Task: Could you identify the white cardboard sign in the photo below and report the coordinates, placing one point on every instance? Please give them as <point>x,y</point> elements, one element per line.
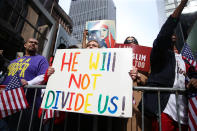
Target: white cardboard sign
<point>92,81</point>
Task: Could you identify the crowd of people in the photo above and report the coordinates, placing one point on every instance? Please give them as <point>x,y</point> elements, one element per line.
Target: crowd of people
<point>168,69</point>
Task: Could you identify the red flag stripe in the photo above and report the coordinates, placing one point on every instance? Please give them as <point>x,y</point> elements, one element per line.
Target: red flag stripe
<point>3,114</point>
<point>48,114</point>
<point>6,103</point>
<point>21,105</point>
<point>190,127</point>
<point>10,108</point>
<point>192,113</point>
<point>192,123</point>
<point>193,106</point>
<point>16,100</point>
<point>24,97</point>
<point>21,96</point>
<point>10,101</point>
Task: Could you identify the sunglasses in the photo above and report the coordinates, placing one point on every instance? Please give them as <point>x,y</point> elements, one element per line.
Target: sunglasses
<point>131,41</point>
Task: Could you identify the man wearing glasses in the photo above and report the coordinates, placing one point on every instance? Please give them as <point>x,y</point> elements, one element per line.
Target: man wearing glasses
<point>31,69</point>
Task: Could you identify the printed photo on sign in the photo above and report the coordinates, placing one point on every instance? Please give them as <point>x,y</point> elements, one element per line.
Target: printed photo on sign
<point>102,31</point>
<point>93,81</point>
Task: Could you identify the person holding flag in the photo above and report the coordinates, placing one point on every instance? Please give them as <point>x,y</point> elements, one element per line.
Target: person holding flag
<point>31,69</point>
<point>167,70</point>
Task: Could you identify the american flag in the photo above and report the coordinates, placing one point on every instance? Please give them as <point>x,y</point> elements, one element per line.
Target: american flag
<point>187,52</point>
<point>192,96</point>
<point>187,55</point>
<point>48,113</point>
<point>12,99</point>
<point>192,111</point>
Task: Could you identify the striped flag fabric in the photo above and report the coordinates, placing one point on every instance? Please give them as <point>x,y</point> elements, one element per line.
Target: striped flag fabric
<point>188,56</point>
<point>192,104</point>
<point>48,113</point>
<point>191,62</point>
<point>12,99</point>
<point>192,95</point>
<point>187,52</point>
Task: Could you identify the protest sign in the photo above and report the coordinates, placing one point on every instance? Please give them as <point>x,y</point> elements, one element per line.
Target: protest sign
<point>102,31</point>
<point>95,81</point>
<point>141,58</point>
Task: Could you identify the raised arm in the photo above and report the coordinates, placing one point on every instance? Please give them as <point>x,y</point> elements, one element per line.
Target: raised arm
<point>84,38</point>
<point>179,9</point>
<point>163,41</point>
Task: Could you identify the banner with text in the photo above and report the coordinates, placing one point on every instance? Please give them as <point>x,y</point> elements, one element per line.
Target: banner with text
<point>92,81</point>
<point>141,55</point>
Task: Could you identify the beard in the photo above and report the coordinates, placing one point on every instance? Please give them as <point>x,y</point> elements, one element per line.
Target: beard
<point>31,51</point>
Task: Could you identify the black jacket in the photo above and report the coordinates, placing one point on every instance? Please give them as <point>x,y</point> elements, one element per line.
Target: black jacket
<point>162,60</point>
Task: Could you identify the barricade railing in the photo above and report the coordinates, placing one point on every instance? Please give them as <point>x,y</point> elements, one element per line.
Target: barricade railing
<point>157,90</point>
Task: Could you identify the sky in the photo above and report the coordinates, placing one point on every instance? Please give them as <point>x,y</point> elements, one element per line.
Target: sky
<point>138,18</point>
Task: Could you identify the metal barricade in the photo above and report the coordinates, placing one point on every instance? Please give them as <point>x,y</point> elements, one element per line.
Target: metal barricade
<point>157,90</point>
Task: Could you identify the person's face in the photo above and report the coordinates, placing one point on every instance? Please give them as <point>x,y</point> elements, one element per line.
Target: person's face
<point>173,38</point>
<point>104,33</point>
<point>131,40</point>
<point>31,45</point>
<point>175,50</point>
<point>92,45</point>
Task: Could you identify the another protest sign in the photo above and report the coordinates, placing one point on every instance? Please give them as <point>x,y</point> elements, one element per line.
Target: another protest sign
<point>141,56</point>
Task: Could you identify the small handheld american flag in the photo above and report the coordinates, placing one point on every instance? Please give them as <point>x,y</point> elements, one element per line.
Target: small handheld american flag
<point>192,103</point>
<point>12,99</point>
<point>192,95</point>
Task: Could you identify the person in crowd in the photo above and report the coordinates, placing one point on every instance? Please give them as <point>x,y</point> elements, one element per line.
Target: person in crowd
<point>59,122</point>
<point>131,40</point>
<point>139,79</point>
<point>167,70</point>
<point>31,69</point>
<point>3,66</point>
<point>92,44</point>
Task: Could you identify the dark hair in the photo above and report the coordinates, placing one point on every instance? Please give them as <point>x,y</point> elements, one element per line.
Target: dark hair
<point>127,42</point>
<point>73,47</point>
<point>94,41</point>
<point>61,46</point>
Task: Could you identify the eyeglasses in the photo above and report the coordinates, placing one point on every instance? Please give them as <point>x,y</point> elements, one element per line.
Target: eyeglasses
<point>35,42</point>
<point>131,41</point>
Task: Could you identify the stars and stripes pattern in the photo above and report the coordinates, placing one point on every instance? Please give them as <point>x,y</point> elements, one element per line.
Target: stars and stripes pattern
<point>187,52</point>
<point>49,113</point>
<point>188,56</point>
<point>192,95</point>
<point>191,62</point>
<point>12,99</point>
<point>192,111</point>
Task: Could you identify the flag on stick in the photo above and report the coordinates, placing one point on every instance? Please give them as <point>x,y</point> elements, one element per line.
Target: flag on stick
<point>188,56</point>
<point>192,111</point>
<point>12,99</point>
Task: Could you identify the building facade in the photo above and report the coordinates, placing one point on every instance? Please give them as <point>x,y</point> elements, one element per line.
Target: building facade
<point>89,10</point>
<point>187,20</point>
<point>30,18</point>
